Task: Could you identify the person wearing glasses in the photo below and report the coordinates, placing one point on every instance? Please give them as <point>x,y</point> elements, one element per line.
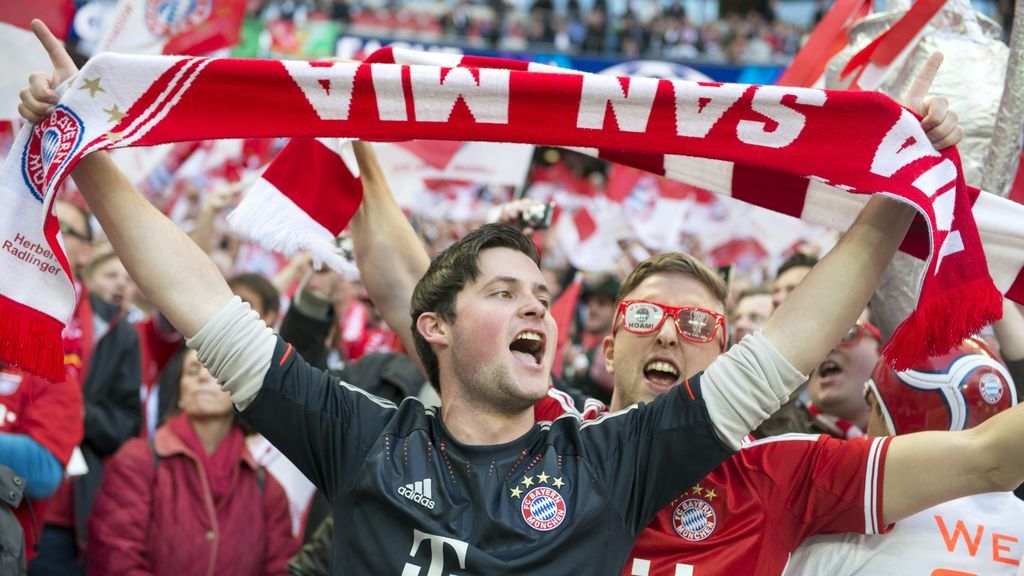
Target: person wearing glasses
<point>836,388</point>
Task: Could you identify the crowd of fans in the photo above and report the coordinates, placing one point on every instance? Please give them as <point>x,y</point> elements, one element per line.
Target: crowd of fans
<point>170,415</point>
<point>653,30</point>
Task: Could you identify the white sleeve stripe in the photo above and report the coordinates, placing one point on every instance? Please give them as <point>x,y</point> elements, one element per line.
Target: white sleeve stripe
<point>608,415</point>
<point>375,399</point>
<point>789,437</point>
<point>564,400</point>
<point>873,487</point>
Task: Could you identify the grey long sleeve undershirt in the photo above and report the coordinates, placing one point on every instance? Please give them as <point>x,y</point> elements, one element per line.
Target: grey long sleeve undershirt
<point>741,388</point>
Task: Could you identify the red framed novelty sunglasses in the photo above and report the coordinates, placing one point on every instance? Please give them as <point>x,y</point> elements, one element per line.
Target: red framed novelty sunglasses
<point>857,332</point>
<point>693,323</point>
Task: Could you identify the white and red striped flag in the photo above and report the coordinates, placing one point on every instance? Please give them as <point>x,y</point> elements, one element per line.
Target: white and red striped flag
<point>303,200</point>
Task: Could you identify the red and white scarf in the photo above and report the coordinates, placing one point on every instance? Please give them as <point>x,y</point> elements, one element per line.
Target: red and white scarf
<point>808,153</point>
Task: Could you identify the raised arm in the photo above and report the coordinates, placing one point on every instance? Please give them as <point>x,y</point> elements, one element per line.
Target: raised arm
<point>175,274</point>
<point>928,468</point>
<point>390,256</point>
<point>824,306</point>
<point>1010,333</point>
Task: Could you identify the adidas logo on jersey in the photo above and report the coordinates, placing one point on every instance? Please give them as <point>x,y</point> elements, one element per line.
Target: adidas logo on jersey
<point>418,492</point>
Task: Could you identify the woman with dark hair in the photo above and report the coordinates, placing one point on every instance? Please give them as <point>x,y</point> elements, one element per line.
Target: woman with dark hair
<point>192,500</point>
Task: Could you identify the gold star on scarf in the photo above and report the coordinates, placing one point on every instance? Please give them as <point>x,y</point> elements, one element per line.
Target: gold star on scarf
<point>516,492</point>
<point>558,482</point>
<point>697,489</point>
<point>543,478</point>
<point>93,86</point>
<point>710,494</point>
<point>528,481</point>
<point>115,114</point>
<point>115,136</point>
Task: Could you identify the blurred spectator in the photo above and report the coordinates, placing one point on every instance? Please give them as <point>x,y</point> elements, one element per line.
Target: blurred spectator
<point>260,294</point>
<point>40,426</point>
<point>836,388</point>
<point>106,277</point>
<point>593,41</point>
<point>76,229</point>
<point>753,308</point>
<point>675,10</point>
<point>586,369</point>
<point>790,274</point>
<point>193,500</point>
<point>632,37</point>
<point>101,349</point>
<point>363,331</point>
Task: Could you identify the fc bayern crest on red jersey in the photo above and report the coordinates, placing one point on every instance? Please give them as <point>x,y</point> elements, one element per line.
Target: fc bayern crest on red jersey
<point>694,519</point>
<point>172,17</point>
<point>52,144</point>
<point>543,508</point>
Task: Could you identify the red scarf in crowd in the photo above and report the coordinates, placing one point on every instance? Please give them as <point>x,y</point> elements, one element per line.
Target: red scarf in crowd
<point>809,153</point>
<point>221,468</point>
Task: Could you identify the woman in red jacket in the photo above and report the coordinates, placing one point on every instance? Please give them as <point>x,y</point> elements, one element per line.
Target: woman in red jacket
<point>193,501</point>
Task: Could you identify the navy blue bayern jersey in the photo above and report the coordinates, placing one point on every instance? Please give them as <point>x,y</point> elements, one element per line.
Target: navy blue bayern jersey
<point>568,497</point>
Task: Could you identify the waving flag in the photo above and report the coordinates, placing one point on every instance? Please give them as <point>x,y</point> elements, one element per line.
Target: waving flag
<point>188,27</point>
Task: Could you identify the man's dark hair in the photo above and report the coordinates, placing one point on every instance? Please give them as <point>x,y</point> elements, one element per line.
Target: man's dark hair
<point>270,298</point>
<point>797,260</point>
<point>449,273</point>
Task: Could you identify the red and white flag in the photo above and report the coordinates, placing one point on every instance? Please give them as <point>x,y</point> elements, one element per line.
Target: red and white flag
<point>562,312</point>
<point>828,38</point>
<point>186,27</point>
<point>868,68</point>
<point>303,200</point>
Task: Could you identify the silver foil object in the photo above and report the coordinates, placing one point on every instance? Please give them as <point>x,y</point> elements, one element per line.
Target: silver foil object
<point>971,77</point>
<point>1004,151</point>
<point>972,74</point>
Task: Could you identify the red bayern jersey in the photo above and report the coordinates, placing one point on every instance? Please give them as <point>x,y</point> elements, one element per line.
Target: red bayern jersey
<point>748,515</point>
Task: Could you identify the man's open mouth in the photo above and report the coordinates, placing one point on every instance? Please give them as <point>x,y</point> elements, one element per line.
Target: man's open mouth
<point>528,347</point>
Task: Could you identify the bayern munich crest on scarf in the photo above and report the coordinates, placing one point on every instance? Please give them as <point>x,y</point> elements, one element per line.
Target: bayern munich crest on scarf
<point>543,508</point>
<point>694,519</point>
<point>45,156</point>
<point>171,17</point>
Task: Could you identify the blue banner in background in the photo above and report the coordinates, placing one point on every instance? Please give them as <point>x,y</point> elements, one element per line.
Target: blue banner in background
<point>350,46</point>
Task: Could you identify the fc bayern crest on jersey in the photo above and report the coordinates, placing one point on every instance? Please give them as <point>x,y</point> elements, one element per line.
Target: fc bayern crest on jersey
<point>543,508</point>
<point>694,519</point>
<point>52,144</point>
<point>172,17</point>
<point>991,388</point>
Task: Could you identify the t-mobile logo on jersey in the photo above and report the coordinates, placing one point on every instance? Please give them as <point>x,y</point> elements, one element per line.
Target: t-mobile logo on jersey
<point>418,492</point>
<point>437,544</point>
